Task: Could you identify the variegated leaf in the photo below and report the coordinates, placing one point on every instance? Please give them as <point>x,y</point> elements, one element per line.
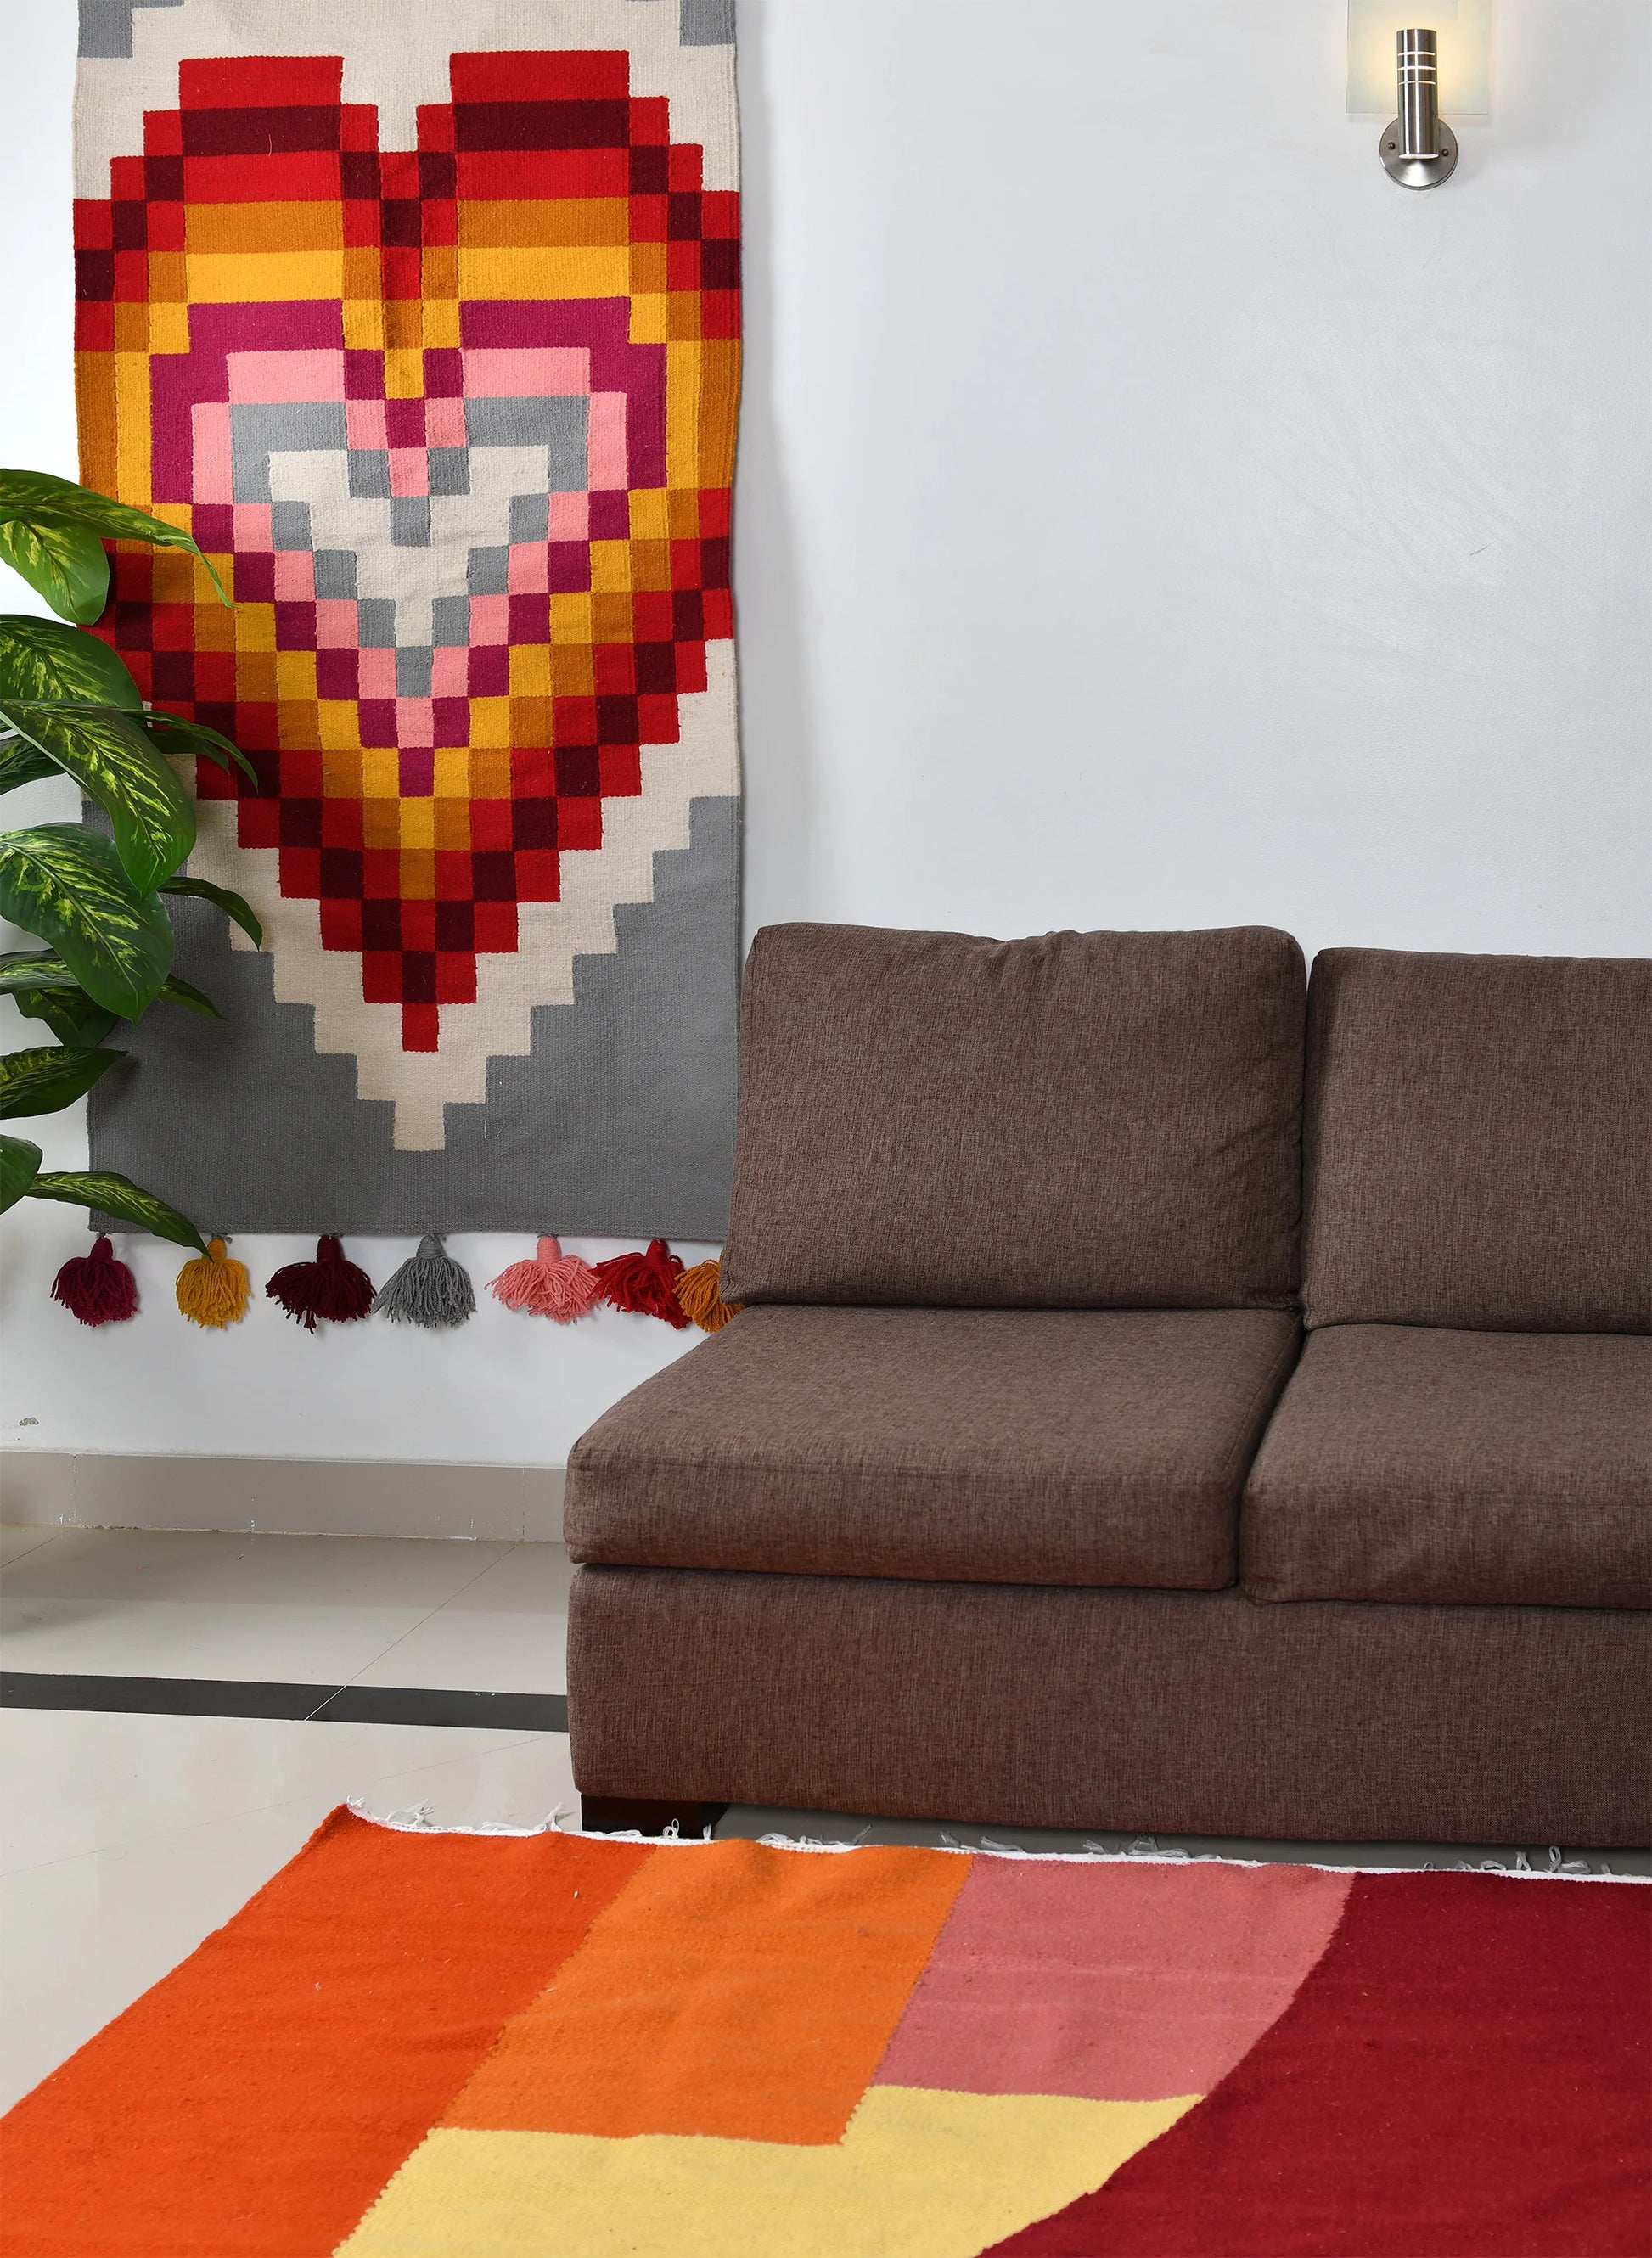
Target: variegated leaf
<point>232,905</point>
<point>41,498</point>
<point>65,564</point>
<point>21,762</point>
<point>153,815</point>
<point>45,1081</point>
<point>69,1013</point>
<point>192,998</point>
<point>172,735</point>
<point>19,1165</point>
<point>66,884</point>
<point>34,968</point>
<point>125,1201</point>
<point>46,664</point>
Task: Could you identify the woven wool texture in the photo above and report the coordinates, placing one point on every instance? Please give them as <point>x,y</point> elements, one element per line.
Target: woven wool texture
<point>450,2046</point>
<point>423,319</point>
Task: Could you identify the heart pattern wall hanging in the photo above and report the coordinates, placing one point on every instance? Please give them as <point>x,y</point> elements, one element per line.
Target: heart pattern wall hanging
<point>423,319</point>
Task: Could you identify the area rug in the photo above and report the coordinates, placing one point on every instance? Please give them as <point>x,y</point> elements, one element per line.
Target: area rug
<point>423,316</point>
<point>473,2046</point>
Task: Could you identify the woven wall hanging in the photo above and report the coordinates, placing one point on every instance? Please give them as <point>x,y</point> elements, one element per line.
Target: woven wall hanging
<point>423,316</point>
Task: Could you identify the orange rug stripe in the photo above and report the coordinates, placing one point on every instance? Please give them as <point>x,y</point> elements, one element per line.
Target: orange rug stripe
<point>733,1991</point>
<point>254,2103</point>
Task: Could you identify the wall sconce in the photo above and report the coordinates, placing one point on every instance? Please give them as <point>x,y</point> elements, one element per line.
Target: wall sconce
<point>1446,66</point>
<point>1419,149</point>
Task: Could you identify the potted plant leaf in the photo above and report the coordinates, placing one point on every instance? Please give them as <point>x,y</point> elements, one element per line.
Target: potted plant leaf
<point>96,898</point>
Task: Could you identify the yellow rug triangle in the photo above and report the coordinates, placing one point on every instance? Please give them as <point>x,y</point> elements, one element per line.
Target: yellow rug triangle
<point>917,2174</point>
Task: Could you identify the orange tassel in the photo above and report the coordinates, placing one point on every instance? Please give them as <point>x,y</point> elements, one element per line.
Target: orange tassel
<point>699,1294</point>
<point>214,1289</point>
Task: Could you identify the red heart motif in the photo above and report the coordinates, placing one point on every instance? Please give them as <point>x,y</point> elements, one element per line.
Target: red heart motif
<point>459,419</point>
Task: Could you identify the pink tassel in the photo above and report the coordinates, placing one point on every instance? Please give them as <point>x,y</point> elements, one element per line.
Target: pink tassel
<point>96,1288</point>
<point>551,1285</point>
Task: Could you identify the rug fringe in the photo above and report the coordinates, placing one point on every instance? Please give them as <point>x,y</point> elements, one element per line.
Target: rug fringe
<point>417,1820</point>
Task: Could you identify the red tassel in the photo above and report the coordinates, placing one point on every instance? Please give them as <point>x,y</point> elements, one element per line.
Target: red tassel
<point>95,1288</point>
<point>330,1287</point>
<point>646,1283</point>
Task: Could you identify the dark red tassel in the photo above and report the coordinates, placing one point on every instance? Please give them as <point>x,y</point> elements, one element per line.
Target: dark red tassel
<point>330,1287</point>
<point>644,1282</point>
<point>96,1288</point>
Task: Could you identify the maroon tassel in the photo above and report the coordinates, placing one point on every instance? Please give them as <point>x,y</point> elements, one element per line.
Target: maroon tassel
<point>330,1287</point>
<point>96,1288</point>
<point>646,1283</point>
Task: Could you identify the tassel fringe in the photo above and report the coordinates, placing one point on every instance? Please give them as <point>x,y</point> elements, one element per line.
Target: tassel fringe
<point>330,1287</point>
<point>429,1290</point>
<point>552,1284</point>
<point>646,1283</point>
<point>97,1287</point>
<point>214,1289</point>
<point>699,1294</point>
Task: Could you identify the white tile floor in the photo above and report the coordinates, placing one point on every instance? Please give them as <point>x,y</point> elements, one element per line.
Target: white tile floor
<point>127,1838</point>
<point>333,1610</point>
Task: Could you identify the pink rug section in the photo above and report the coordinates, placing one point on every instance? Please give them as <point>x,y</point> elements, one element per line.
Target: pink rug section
<point>1118,1983</point>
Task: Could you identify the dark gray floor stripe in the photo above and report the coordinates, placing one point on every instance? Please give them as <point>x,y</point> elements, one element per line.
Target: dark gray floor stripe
<point>431,1705</point>
<point>167,1697</point>
<point>338,1705</point>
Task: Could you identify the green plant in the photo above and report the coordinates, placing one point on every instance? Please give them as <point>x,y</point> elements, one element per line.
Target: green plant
<point>96,901</point>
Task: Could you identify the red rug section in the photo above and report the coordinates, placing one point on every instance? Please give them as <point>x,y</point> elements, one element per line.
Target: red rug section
<point>258,2099</point>
<point>1467,2074</point>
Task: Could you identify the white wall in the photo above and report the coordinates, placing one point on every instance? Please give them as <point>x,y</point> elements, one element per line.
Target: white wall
<point>1148,516</point>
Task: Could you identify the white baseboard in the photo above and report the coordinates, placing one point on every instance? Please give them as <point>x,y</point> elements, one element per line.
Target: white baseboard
<point>286,1497</point>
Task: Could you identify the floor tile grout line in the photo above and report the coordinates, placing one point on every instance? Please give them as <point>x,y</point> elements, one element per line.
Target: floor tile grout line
<point>514,1546</point>
<point>30,1553</point>
<point>44,1532</point>
<point>508,1546</point>
<point>257,1810</point>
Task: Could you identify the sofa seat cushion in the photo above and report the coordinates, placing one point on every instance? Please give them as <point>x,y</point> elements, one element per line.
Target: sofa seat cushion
<point>1406,1463</point>
<point>1036,1446</point>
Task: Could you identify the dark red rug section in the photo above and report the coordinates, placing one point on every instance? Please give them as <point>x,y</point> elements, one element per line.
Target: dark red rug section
<point>1467,2073</point>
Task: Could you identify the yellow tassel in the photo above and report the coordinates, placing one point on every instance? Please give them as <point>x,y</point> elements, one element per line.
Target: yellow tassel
<point>214,1289</point>
<point>699,1294</point>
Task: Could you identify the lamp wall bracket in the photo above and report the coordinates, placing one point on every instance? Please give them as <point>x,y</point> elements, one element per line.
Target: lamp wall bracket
<point>1419,150</point>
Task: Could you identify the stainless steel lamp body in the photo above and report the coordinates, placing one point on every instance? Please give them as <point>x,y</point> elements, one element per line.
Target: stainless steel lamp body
<point>1418,149</point>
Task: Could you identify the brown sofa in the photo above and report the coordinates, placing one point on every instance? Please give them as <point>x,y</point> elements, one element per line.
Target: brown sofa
<point>1172,1397</point>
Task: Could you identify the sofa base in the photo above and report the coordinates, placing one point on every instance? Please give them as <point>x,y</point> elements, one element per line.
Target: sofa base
<point>639,1814</point>
<point>1184,1712</point>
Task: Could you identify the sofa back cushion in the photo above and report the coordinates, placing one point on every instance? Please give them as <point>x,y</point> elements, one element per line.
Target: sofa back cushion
<point>1478,1130</point>
<point>1090,1120</point>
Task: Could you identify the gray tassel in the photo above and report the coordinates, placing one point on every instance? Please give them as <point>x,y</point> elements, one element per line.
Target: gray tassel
<point>429,1290</point>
